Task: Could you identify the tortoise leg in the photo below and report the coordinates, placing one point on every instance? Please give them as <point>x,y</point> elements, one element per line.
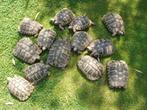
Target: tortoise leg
<point>55,22</point>
<point>74,49</point>
<point>121,33</point>
<point>74,29</point>
<point>70,27</point>
<point>114,33</point>
<point>61,27</point>
<point>43,48</point>
<point>93,53</point>
<point>92,23</point>
<point>52,20</point>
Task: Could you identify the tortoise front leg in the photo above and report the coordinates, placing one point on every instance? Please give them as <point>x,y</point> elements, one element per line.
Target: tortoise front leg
<point>61,27</point>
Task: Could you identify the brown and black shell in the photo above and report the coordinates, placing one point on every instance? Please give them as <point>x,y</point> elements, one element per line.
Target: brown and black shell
<point>80,23</point>
<point>117,74</point>
<point>63,18</point>
<point>46,38</point>
<point>90,67</point>
<point>101,48</point>
<point>80,41</point>
<point>27,51</point>
<point>36,72</point>
<point>20,87</point>
<point>59,53</point>
<point>114,23</point>
<point>29,27</point>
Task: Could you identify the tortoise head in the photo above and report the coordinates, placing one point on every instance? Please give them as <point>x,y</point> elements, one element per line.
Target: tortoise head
<point>56,22</point>
<point>92,23</point>
<point>8,79</point>
<point>121,33</point>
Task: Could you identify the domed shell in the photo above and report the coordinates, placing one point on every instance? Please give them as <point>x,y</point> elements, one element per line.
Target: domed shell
<point>29,27</point>
<point>90,67</point>
<point>63,18</point>
<point>46,38</point>
<point>114,23</point>
<point>59,53</point>
<point>117,74</point>
<point>80,23</point>
<point>27,51</point>
<point>101,48</point>
<point>20,87</point>
<point>36,72</point>
<point>80,41</point>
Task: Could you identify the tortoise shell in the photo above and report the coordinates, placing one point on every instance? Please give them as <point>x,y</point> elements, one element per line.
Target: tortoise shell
<point>46,38</point>
<point>59,53</point>
<point>117,74</point>
<point>63,18</point>
<point>114,23</point>
<point>36,72</point>
<point>27,51</point>
<point>90,67</point>
<point>80,41</point>
<point>101,47</point>
<point>20,87</point>
<point>80,23</point>
<point>29,27</point>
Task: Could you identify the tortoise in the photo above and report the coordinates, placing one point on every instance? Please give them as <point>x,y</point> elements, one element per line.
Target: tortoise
<point>80,41</point>
<point>29,27</point>
<point>117,73</point>
<point>20,87</point>
<point>36,72</point>
<point>45,38</point>
<point>27,51</point>
<point>80,23</point>
<point>101,48</point>
<point>90,67</point>
<point>59,53</point>
<point>114,23</point>
<point>63,18</point>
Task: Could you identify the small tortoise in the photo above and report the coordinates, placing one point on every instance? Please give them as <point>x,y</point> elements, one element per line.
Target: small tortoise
<point>20,87</point>
<point>45,38</point>
<point>80,41</point>
<point>36,72</point>
<point>80,23</point>
<point>29,27</point>
<point>27,51</point>
<point>92,68</point>
<point>101,47</point>
<point>114,23</point>
<point>117,73</point>
<point>63,18</point>
<point>59,53</point>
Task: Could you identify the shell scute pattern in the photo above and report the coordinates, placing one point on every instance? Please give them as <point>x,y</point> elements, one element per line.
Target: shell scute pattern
<point>80,23</point>
<point>59,53</point>
<point>114,23</point>
<point>92,68</point>
<point>20,87</point>
<point>36,72</point>
<point>101,47</point>
<point>80,41</point>
<point>29,27</point>
<point>117,74</point>
<point>46,38</point>
<point>63,18</point>
<point>27,51</point>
